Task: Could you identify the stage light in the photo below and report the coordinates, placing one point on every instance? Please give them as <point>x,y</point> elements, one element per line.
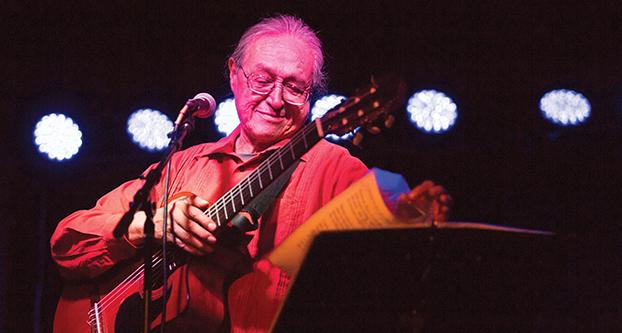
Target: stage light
<point>323,105</point>
<point>149,129</point>
<point>57,136</point>
<point>226,117</point>
<point>432,111</point>
<point>565,107</point>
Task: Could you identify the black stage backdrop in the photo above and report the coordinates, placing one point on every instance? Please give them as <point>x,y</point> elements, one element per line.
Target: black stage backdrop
<point>503,163</point>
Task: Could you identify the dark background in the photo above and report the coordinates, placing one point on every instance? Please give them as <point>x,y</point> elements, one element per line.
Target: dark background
<point>503,163</point>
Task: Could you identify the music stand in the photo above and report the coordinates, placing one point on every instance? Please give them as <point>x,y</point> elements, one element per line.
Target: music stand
<point>460,277</point>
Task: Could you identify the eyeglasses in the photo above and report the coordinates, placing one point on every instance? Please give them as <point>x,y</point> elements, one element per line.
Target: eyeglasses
<point>263,84</point>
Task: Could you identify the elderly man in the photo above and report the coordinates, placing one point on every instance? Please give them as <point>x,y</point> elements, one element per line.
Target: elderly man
<point>274,69</point>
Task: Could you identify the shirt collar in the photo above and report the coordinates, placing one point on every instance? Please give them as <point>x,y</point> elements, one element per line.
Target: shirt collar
<point>226,146</point>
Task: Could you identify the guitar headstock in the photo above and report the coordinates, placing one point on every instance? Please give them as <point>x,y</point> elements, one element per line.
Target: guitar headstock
<point>368,106</point>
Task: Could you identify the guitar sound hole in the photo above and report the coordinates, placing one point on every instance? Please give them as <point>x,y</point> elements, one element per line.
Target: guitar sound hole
<point>130,317</point>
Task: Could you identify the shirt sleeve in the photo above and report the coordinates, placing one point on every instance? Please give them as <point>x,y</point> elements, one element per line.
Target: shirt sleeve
<point>347,170</point>
<point>83,245</point>
<point>339,172</point>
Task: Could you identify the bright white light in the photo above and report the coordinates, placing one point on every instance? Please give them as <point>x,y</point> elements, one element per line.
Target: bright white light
<point>565,107</point>
<point>432,111</point>
<point>226,117</point>
<point>58,136</point>
<point>149,129</point>
<point>323,105</point>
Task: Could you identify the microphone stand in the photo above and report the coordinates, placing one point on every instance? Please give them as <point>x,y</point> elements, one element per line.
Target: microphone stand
<point>141,202</point>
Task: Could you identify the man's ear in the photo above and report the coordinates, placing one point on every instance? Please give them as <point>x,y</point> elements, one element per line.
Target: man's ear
<point>233,70</point>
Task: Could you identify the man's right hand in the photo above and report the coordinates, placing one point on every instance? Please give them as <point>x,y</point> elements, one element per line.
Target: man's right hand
<point>188,227</point>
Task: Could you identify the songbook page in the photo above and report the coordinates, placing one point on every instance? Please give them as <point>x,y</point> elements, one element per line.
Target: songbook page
<point>361,206</point>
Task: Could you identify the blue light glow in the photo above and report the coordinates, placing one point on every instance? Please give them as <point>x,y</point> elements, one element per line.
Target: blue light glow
<point>565,107</point>
<point>57,136</point>
<point>323,105</point>
<point>432,111</point>
<point>149,129</point>
<point>226,116</point>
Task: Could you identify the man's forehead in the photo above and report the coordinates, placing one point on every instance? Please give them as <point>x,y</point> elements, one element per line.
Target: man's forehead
<point>273,52</point>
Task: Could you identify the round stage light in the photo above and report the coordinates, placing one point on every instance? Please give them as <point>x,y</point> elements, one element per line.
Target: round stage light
<point>226,117</point>
<point>565,107</point>
<point>57,136</point>
<point>149,129</point>
<point>432,111</point>
<point>323,105</point>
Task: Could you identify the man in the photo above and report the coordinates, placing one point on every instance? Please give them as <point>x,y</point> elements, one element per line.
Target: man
<point>276,66</point>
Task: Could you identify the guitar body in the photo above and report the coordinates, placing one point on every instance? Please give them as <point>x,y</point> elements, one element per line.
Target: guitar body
<point>119,303</point>
<point>195,298</point>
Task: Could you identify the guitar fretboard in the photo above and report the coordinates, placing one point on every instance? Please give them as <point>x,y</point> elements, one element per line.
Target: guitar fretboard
<point>241,194</point>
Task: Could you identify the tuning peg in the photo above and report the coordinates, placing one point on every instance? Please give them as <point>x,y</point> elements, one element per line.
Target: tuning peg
<point>358,138</point>
<point>388,123</point>
<point>373,129</point>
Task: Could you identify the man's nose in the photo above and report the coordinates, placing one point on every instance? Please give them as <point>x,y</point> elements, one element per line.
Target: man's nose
<point>275,97</point>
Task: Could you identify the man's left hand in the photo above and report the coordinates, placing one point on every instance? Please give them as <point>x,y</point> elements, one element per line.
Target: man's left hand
<point>426,198</point>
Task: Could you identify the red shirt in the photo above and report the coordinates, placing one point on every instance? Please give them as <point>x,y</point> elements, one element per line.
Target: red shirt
<point>83,245</point>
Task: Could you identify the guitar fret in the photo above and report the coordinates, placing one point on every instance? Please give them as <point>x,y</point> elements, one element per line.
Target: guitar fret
<point>259,176</point>
<point>270,170</point>
<point>218,218</point>
<point>304,139</point>
<point>224,207</point>
<point>250,185</point>
<point>242,194</point>
<point>281,161</point>
<point>291,149</point>
<point>232,200</point>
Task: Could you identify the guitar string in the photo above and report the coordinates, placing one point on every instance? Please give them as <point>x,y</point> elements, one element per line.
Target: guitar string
<point>131,280</point>
<point>156,259</point>
<point>272,159</point>
<point>121,288</point>
<point>110,301</point>
<point>127,283</point>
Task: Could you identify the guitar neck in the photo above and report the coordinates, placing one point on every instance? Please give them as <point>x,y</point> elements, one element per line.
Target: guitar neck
<point>232,202</point>
<point>365,107</point>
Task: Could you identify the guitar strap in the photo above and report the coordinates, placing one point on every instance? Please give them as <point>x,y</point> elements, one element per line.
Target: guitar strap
<point>262,202</point>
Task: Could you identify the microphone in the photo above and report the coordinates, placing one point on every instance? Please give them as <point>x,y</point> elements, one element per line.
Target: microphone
<point>202,105</point>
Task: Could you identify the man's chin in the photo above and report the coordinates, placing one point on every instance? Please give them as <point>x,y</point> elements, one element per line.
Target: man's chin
<point>267,137</point>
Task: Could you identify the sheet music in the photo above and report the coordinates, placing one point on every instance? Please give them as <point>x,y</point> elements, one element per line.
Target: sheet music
<point>360,207</point>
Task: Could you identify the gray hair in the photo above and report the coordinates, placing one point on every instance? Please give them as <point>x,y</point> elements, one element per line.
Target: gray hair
<point>289,25</point>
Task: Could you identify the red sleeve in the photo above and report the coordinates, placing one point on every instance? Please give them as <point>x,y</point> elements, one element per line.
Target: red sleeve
<point>338,170</point>
<point>348,170</point>
<point>83,245</point>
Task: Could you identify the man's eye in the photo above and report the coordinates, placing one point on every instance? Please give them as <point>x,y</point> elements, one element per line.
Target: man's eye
<point>262,80</point>
<point>294,89</point>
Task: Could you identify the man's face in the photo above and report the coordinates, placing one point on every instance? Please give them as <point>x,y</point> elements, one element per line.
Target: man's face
<point>266,119</point>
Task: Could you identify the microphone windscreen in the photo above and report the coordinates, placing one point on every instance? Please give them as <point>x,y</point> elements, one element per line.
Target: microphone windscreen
<point>204,104</point>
